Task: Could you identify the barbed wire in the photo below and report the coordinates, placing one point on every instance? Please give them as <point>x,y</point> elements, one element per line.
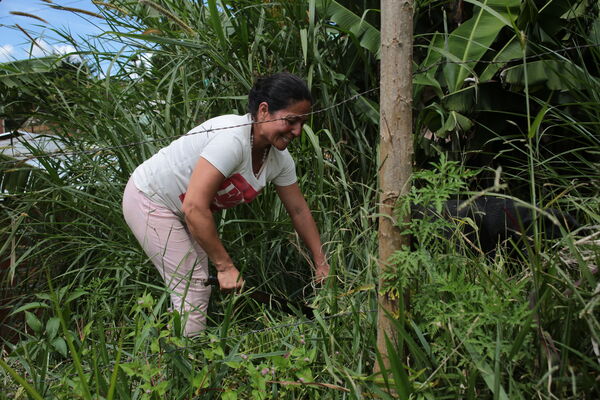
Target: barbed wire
<point>295,324</point>
<point>202,130</point>
<point>335,105</point>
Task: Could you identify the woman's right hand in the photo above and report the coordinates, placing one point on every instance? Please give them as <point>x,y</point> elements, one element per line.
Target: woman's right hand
<point>230,279</point>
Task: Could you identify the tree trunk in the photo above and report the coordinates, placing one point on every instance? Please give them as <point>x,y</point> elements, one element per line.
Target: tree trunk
<point>396,148</point>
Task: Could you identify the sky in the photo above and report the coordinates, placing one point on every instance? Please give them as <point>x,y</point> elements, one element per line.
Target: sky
<point>14,44</point>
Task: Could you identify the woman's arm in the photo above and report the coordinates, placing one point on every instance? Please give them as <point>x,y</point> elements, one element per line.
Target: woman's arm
<point>204,183</point>
<point>305,225</point>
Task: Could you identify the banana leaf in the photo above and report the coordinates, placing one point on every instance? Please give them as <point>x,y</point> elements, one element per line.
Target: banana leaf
<point>468,43</point>
<point>511,51</point>
<point>369,37</point>
<point>553,74</point>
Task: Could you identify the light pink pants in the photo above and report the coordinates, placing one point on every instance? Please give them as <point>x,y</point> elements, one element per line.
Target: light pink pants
<point>181,261</point>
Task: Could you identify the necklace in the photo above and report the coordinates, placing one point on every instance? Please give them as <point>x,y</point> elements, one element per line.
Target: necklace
<point>264,156</point>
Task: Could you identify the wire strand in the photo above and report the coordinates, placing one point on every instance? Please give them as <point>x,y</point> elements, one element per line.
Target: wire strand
<point>108,148</point>
<point>351,98</point>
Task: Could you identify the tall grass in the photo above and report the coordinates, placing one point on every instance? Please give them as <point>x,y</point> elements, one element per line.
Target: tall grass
<point>89,315</point>
<point>114,336</point>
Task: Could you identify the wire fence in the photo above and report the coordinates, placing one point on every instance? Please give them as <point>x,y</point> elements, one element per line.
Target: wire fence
<point>241,336</point>
<point>97,150</point>
<point>141,142</point>
<point>199,343</point>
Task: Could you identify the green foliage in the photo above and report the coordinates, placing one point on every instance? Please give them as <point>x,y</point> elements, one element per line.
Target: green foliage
<point>473,320</point>
<point>430,190</point>
<point>494,88</point>
<point>348,22</point>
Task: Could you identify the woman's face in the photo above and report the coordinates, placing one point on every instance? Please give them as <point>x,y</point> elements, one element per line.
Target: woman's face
<point>288,125</point>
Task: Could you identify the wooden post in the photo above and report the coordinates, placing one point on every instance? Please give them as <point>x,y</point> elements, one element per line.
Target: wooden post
<point>396,147</point>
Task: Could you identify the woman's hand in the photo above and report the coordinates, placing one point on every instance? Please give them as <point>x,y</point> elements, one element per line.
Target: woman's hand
<point>305,225</point>
<point>230,279</point>
<point>321,271</point>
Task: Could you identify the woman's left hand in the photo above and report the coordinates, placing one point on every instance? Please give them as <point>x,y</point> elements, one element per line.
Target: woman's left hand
<point>305,225</point>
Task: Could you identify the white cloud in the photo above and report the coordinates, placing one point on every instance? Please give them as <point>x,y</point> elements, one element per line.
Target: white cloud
<point>41,48</point>
<point>146,57</point>
<point>66,49</point>
<point>6,52</point>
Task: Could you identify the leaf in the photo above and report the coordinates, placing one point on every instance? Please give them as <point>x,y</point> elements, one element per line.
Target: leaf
<point>131,369</point>
<point>201,379</point>
<point>594,36</point>
<point>29,306</point>
<point>21,73</point>
<point>367,108</point>
<point>538,121</point>
<point>454,122</point>
<point>529,14</point>
<point>75,295</point>
<point>60,345</point>
<point>159,39</point>
<point>20,380</point>
<point>233,364</point>
<point>489,9</point>
<point>472,39</point>
<point>304,43</point>
<point>314,140</point>
<point>554,74</point>
<point>33,322</point>
<point>428,80</point>
<point>403,385</point>
<point>52,327</point>
<point>305,374</point>
<point>43,296</point>
<point>368,36</point>
<point>215,21</point>
<point>577,10</point>
<point>512,50</point>
<point>281,362</point>
<point>461,101</point>
<point>229,395</point>
<point>486,373</point>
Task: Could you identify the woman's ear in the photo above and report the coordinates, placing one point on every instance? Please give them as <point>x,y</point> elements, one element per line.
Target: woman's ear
<point>263,110</point>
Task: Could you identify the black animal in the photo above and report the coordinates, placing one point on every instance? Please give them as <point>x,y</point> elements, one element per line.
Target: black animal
<point>497,220</point>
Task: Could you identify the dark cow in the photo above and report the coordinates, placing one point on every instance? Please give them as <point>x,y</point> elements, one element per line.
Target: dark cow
<point>497,220</point>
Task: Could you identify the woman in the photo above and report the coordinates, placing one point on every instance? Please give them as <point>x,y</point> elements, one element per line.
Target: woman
<point>169,199</point>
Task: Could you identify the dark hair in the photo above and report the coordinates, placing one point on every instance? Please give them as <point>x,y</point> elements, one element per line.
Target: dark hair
<point>278,91</point>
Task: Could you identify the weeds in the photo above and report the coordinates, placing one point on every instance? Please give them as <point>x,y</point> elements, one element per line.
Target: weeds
<point>88,314</point>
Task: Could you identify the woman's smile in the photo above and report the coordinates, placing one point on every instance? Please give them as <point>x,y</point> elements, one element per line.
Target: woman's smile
<point>283,126</point>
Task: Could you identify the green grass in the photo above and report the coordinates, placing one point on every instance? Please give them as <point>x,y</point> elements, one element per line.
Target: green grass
<point>89,315</point>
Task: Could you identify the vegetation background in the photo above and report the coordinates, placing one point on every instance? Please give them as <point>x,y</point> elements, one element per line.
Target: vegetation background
<point>506,102</point>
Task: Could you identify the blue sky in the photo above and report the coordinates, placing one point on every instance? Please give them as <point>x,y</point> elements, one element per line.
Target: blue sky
<point>15,45</point>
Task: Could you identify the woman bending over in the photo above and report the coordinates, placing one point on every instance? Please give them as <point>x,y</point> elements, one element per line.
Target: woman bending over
<point>170,199</point>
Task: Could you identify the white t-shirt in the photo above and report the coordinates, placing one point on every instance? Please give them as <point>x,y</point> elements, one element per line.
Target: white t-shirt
<point>165,176</point>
